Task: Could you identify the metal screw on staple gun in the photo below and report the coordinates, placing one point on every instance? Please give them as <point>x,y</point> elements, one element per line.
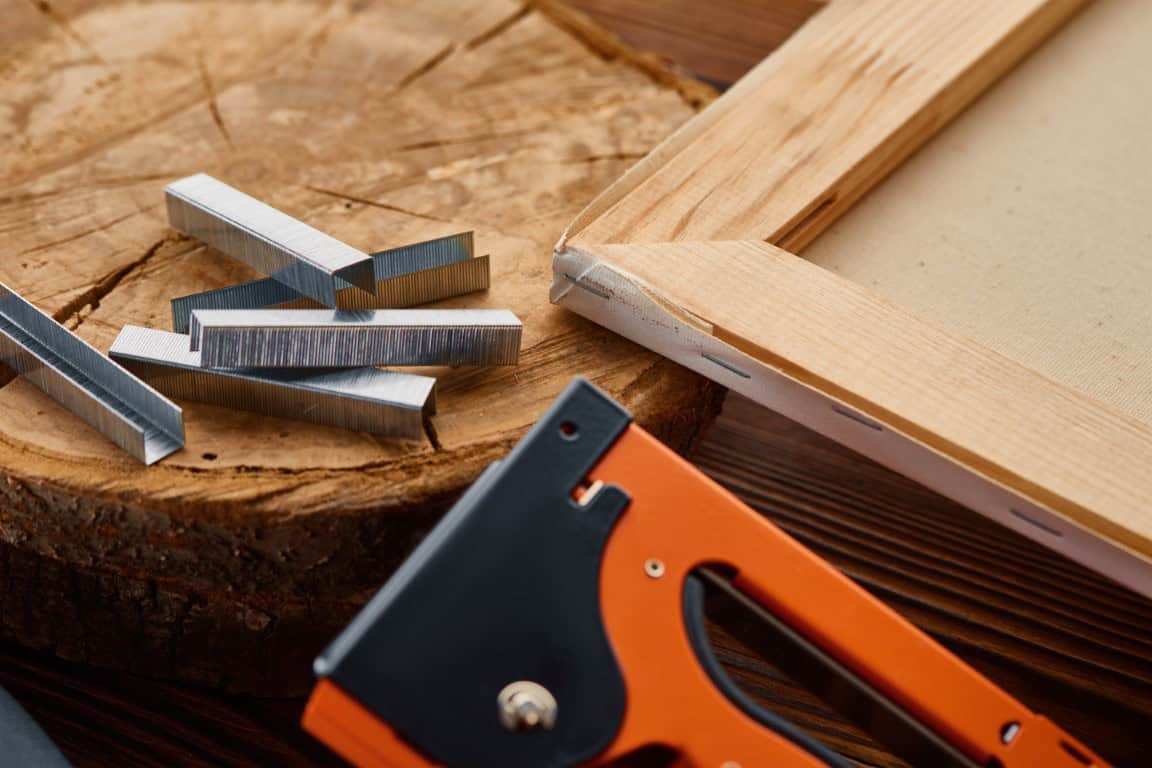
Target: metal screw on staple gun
<point>526,706</point>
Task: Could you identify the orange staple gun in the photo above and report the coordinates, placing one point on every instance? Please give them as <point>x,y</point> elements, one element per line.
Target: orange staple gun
<point>554,617</point>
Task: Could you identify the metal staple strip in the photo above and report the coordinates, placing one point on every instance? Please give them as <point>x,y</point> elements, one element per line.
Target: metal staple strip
<point>256,294</point>
<point>419,256</point>
<point>275,338</point>
<point>437,269</point>
<point>73,373</point>
<point>288,250</point>
<point>428,285</point>
<point>363,399</point>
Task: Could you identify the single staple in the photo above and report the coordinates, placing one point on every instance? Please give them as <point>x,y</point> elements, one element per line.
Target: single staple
<point>386,403</point>
<point>324,338</point>
<point>406,276</point>
<point>114,402</point>
<point>288,250</point>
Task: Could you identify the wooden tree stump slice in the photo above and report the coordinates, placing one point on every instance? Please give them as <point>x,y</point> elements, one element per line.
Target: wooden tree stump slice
<point>232,562</point>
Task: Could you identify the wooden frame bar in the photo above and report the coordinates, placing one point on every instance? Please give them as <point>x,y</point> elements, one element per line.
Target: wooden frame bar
<point>675,256</point>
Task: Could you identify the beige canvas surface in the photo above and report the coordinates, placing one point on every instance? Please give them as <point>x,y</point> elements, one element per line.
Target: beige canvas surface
<point>1026,225</point>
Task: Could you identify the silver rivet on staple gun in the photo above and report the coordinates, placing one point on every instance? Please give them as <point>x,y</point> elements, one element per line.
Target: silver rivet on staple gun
<point>363,399</point>
<point>321,338</point>
<point>290,251</point>
<point>406,276</point>
<point>526,706</point>
<point>73,373</point>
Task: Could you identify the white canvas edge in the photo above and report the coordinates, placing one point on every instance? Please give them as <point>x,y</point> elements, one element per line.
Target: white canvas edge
<point>604,295</point>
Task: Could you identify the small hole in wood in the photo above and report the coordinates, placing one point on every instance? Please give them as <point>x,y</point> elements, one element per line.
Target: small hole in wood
<point>209,456</point>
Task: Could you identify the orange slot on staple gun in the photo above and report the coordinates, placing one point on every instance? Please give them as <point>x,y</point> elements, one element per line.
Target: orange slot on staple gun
<point>554,617</point>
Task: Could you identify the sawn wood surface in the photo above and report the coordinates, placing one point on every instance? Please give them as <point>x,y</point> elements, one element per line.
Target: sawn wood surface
<point>231,562</point>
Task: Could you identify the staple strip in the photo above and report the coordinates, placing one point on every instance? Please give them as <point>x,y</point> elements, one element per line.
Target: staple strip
<point>437,269</point>
<point>117,404</point>
<point>419,256</point>
<point>408,290</point>
<point>262,237</point>
<point>275,338</point>
<point>387,403</point>
<point>426,285</point>
<point>256,294</point>
<point>435,284</point>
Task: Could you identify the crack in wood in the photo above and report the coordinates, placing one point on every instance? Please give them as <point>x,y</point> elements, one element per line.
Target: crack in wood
<point>474,138</point>
<point>376,204</point>
<point>80,235</point>
<point>320,37</point>
<point>108,183</point>
<point>436,59</point>
<point>94,295</point>
<point>601,158</point>
<point>132,131</point>
<point>47,11</point>
<point>498,28</point>
<point>212,102</point>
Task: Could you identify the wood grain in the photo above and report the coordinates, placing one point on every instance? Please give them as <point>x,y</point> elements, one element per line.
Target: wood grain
<point>265,528</point>
<point>1064,640</point>
<point>716,41</point>
<point>945,392</point>
<point>822,120</point>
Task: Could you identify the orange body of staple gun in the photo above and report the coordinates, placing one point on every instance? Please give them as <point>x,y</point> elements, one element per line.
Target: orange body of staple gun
<point>555,618</point>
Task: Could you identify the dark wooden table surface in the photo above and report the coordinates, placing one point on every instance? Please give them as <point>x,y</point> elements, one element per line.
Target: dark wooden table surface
<point>1067,642</point>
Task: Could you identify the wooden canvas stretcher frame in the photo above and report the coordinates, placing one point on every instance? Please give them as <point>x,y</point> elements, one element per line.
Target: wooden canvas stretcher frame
<point>688,254</point>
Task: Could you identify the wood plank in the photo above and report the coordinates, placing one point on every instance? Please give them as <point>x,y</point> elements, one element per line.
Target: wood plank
<point>948,394</point>
<point>265,528</point>
<point>1066,641</point>
<point>717,41</point>
<point>823,119</point>
<point>102,718</point>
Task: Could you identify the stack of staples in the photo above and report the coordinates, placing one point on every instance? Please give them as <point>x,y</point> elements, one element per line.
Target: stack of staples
<point>73,373</point>
<point>302,343</point>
